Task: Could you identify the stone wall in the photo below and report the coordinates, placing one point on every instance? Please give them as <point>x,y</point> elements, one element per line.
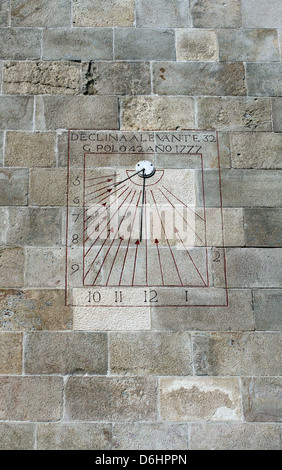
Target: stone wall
<point>177,378</point>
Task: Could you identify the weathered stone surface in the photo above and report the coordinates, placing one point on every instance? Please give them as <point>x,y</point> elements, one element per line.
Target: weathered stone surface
<point>163,13</point>
<point>11,353</point>
<point>31,398</point>
<point>116,399</point>
<point>195,398</point>
<point>250,45</point>
<point>235,114</point>
<point>178,78</point>
<point>35,227</point>
<point>261,14</point>
<point>1,148</point>
<point>27,149</point>
<point>264,79</point>
<point>116,78</point>
<point>105,319</point>
<point>216,13</point>
<point>48,187</point>
<point>16,436</point>
<point>194,44</point>
<point>45,13</point>
<point>66,353</point>
<point>263,227</point>
<point>4,12</point>
<point>69,436</point>
<point>13,187</point>
<point>256,150</point>
<point>251,353</point>
<point>238,316</point>
<point>76,112</point>
<point>38,309</point>
<point>277,114</point>
<point>267,308</point>
<point>108,13</point>
<point>20,43</point>
<point>157,112</point>
<point>11,267</point>
<point>233,230</point>
<point>147,436</point>
<point>4,225</point>
<point>262,399</point>
<point>235,436</point>
<point>144,44</point>
<point>32,78</point>
<point>78,44</point>
<point>16,112</point>
<point>251,267</point>
<point>150,353</point>
<point>45,267</point>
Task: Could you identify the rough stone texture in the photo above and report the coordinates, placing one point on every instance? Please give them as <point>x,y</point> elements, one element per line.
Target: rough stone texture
<point>144,44</point>
<point>14,187</point>
<point>256,150</point>
<point>157,112</point>
<point>28,149</point>
<point>237,353</point>
<point>164,13</point>
<point>264,79</point>
<point>235,436</point>
<point>261,14</point>
<point>193,44</point>
<point>263,227</point>
<point>235,114</point>
<point>53,274</point>
<point>277,115</point>
<point>104,319</point>
<point>267,308</point>
<point>251,45</point>
<point>27,13</point>
<point>216,13</point>
<point>11,353</point>
<point>262,399</point>
<point>212,78</point>
<point>20,44</point>
<point>48,187</point>
<point>117,399</point>
<point>4,13</point>
<point>16,436</point>
<point>106,13</point>
<point>31,398</point>
<point>11,267</point>
<point>16,112</point>
<point>33,78</point>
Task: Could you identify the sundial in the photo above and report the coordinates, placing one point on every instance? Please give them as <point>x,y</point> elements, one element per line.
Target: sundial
<point>138,220</point>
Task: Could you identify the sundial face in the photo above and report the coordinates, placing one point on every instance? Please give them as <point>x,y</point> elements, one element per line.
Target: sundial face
<point>138,219</point>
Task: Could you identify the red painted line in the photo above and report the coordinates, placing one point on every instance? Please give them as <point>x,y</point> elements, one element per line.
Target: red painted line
<point>183,203</point>
<point>191,259</point>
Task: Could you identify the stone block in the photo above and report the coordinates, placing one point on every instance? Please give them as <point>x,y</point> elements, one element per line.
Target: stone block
<point>116,78</point>
<point>235,436</point>
<point>163,13</point>
<point>45,13</point>
<point>111,319</point>
<point>149,353</point>
<point>261,14</point>
<point>16,112</point>
<point>1,148</point>
<point>157,113</point>
<point>277,114</point>
<point>11,353</point>
<point>4,13</point>
<point>111,399</point>
<point>45,267</point>
<point>27,149</point>
<point>261,398</point>
<point>13,187</point>
<point>199,78</point>
<point>264,79</point>
<point>263,227</point>
<point>256,150</point>
<point>267,308</point>
<point>238,316</point>
<point>198,398</point>
<point>20,43</point>
<point>248,45</point>
<point>195,44</point>
<point>216,13</point>
<point>144,44</point>
<point>251,267</point>
<point>235,114</point>
<point>31,398</point>
<point>69,436</point>
<point>150,436</point>
<point>78,44</point>
<point>4,223</point>
<point>108,13</point>
<point>12,267</point>
<point>17,436</point>
<point>48,187</point>
<point>38,309</point>
<point>34,227</point>
<point>76,112</point>
<point>34,78</point>
<point>50,352</point>
<point>251,353</point>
